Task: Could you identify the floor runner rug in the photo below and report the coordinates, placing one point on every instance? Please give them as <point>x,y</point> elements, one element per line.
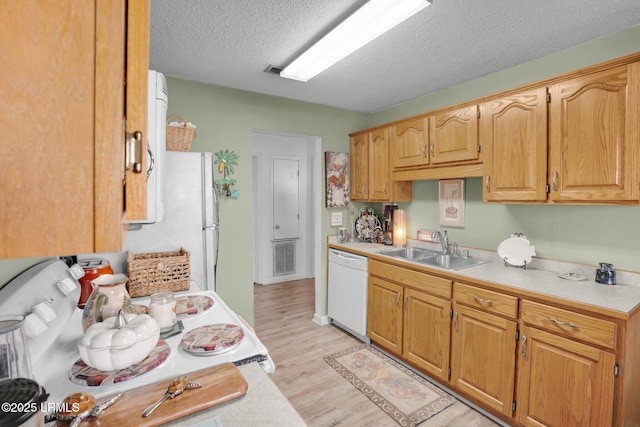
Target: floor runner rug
<point>402,394</point>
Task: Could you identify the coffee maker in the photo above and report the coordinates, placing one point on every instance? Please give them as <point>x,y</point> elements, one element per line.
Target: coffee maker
<point>388,223</point>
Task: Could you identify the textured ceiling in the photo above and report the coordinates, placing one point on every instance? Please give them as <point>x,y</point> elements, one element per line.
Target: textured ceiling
<point>231,43</point>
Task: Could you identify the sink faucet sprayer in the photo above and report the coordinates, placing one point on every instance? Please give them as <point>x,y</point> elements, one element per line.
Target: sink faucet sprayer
<point>444,240</point>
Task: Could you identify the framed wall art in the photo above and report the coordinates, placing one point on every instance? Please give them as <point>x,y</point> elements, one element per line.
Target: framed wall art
<point>337,179</point>
<point>451,195</point>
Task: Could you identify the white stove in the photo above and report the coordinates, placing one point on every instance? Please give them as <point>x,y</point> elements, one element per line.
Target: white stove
<point>55,350</point>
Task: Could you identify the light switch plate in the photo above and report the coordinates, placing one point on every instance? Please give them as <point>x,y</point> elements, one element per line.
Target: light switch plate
<point>336,219</point>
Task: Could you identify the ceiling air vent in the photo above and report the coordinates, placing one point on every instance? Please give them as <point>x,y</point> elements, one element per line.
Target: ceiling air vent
<point>273,69</point>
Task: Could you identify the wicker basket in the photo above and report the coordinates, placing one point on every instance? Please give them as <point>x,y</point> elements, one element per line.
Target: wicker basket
<point>158,271</point>
<point>179,138</point>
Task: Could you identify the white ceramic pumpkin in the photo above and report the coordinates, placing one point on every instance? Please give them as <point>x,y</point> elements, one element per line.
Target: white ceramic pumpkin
<point>119,342</point>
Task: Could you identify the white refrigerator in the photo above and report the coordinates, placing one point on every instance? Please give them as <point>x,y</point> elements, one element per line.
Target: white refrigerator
<point>191,217</point>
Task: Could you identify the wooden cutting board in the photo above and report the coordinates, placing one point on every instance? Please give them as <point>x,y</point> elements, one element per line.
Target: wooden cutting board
<point>219,384</point>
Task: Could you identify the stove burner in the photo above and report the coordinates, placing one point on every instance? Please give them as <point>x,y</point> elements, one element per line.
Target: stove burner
<point>24,393</point>
<point>82,374</point>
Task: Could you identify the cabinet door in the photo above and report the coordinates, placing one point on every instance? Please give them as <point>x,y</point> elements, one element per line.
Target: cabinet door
<point>410,143</point>
<point>427,321</point>
<point>483,357</point>
<point>379,170</point>
<point>384,318</point>
<point>453,135</point>
<point>513,134</point>
<point>563,383</point>
<point>61,170</point>
<point>592,149</point>
<point>138,17</point>
<point>123,44</point>
<point>48,59</point>
<point>359,159</point>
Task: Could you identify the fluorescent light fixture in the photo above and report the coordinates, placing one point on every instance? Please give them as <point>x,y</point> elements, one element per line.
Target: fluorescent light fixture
<point>373,19</point>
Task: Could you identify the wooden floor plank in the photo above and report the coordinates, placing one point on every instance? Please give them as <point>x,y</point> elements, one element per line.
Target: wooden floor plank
<point>283,322</point>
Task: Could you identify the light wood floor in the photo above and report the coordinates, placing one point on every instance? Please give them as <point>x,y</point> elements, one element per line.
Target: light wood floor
<point>283,322</point>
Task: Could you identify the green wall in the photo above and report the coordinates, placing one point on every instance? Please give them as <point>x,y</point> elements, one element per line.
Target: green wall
<point>225,119</point>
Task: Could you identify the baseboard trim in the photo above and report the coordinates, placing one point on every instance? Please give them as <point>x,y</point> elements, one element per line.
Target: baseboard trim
<point>321,320</point>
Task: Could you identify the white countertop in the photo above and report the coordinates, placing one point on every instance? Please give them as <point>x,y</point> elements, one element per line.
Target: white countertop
<point>540,277</point>
<point>263,405</point>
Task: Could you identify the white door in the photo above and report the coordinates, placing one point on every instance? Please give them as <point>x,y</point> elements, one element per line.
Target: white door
<point>286,198</point>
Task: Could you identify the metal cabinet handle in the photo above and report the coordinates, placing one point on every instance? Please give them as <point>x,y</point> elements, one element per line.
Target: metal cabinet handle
<point>424,151</point>
<point>522,346</point>
<point>364,188</point>
<point>487,179</point>
<point>482,300</point>
<point>398,300</point>
<point>559,323</point>
<point>133,152</point>
<point>455,320</point>
<point>555,180</point>
<point>406,303</point>
<point>385,187</point>
<point>433,147</point>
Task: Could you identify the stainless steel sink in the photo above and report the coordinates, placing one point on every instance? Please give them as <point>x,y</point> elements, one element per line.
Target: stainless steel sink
<point>450,262</point>
<point>412,254</point>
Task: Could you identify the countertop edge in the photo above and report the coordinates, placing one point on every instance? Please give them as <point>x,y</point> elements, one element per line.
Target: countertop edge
<point>513,280</point>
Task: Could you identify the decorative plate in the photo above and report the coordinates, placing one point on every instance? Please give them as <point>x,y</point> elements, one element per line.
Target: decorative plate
<point>192,305</point>
<point>83,374</point>
<point>367,225</point>
<point>210,340</point>
<point>516,250</point>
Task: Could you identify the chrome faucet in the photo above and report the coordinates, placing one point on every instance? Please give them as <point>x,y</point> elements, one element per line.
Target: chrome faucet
<point>444,240</point>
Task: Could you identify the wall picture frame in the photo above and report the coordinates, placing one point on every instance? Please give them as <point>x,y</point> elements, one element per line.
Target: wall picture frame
<point>337,179</point>
<point>451,202</point>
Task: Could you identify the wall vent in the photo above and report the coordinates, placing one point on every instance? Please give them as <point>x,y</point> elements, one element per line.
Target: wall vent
<point>284,257</point>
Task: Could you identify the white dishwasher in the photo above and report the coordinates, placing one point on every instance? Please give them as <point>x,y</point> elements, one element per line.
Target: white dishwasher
<point>347,300</point>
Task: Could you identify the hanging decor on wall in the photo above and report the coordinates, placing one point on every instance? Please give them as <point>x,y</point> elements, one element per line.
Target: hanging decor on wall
<point>452,202</point>
<point>226,187</point>
<point>337,179</point>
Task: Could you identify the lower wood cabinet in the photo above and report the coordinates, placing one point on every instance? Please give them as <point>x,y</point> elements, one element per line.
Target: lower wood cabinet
<point>426,338</point>
<point>528,362</point>
<point>384,318</point>
<point>483,346</point>
<point>409,322</point>
<point>563,353</point>
<point>563,382</point>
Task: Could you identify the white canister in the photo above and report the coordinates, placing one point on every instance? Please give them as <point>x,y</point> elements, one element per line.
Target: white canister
<point>162,308</point>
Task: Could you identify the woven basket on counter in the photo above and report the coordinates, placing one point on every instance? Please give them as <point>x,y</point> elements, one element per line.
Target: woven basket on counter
<point>158,271</point>
<point>179,138</point>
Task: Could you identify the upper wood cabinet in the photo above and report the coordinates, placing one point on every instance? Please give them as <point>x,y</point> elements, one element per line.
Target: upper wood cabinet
<point>593,138</point>
<point>513,131</point>
<point>453,135</point>
<point>359,159</point>
<point>590,154</point>
<point>379,165</point>
<point>62,163</point>
<point>371,175</point>
<point>410,143</point>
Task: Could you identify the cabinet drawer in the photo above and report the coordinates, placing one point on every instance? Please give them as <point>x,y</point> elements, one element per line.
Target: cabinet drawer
<point>573,325</point>
<point>415,279</point>
<point>493,302</point>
